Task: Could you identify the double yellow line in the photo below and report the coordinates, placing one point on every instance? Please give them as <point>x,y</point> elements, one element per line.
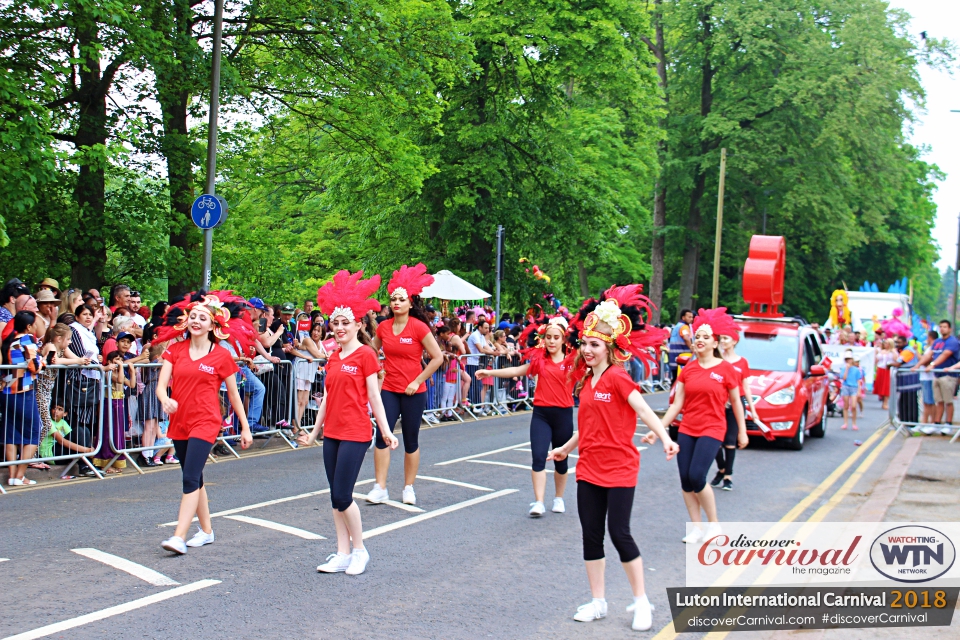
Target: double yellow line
<point>669,633</point>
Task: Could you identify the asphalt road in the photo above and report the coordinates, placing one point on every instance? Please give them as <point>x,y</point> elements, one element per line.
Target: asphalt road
<point>481,568</point>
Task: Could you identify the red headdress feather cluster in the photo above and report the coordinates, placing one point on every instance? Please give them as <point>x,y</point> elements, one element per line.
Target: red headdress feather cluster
<point>228,312</point>
<point>625,310</point>
<point>412,280</point>
<point>719,321</point>
<point>534,350</point>
<point>348,295</point>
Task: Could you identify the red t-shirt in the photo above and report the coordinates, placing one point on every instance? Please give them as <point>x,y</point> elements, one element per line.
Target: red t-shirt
<point>554,388</point>
<point>742,367</point>
<point>402,354</point>
<point>706,393</point>
<point>347,417</point>
<point>608,457</point>
<point>196,388</point>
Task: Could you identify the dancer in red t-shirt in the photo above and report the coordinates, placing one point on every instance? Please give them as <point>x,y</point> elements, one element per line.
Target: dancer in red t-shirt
<point>612,330</point>
<point>703,389</point>
<point>404,337</point>
<point>194,369</point>
<point>351,384</point>
<point>728,452</point>
<point>552,419</point>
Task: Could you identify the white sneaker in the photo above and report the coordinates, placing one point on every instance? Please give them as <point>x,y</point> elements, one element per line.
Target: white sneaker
<point>14,482</point>
<point>432,419</point>
<point>200,538</point>
<point>633,605</point>
<point>377,495</point>
<point>336,563</point>
<point>694,536</point>
<point>591,611</point>
<point>713,530</point>
<point>409,497</point>
<point>642,616</point>
<point>358,562</point>
<point>175,544</point>
<point>537,509</point>
<point>558,506</point>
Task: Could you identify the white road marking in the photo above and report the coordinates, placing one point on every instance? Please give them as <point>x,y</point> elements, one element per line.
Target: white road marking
<point>480,455</point>
<point>137,570</point>
<point>109,612</point>
<point>276,526</point>
<point>392,503</point>
<point>4,559</point>
<point>228,512</point>
<point>517,466</point>
<point>569,455</point>
<point>438,512</point>
<point>455,483</point>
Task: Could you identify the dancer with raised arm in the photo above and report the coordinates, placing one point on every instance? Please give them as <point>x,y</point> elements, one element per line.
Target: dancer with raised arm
<point>351,384</point>
<point>613,330</point>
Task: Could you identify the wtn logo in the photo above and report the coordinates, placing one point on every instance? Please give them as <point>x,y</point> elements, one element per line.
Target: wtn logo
<point>912,553</point>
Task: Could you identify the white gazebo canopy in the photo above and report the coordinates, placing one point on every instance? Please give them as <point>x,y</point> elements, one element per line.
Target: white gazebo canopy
<point>447,286</point>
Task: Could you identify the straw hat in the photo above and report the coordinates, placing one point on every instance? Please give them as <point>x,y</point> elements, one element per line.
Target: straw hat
<point>45,295</point>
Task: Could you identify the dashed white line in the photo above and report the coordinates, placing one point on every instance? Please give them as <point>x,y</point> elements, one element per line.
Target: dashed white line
<point>137,570</point>
<point>438,512</point>
<point>455,483</point>
<point>276,526</point>
<point>480,455</point>
<point>392,503</point>
<point>109,612</point>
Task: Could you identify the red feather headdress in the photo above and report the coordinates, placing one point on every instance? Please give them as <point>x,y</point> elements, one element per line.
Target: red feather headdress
<point>225,309</point>
<point>410,281</point>
<point>625,310</point>
<point>534,350</point>
<point>349,296</point>
<point>718,321</point>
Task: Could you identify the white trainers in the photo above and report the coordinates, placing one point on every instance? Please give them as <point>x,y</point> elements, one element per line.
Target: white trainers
<point>558,506</point>
<point>336,563</point>
<point>175,544</point>
<point>713,530</point>
<point>358,562</point>
<point>537,509</point>
<point>377,495</point>
<point>200,538</point>
<point>593,610</point>
<point>633,605</point>
<point>642,615</point>
<point>430,418</point>
<point>409,497</point>
<point>694,536</point>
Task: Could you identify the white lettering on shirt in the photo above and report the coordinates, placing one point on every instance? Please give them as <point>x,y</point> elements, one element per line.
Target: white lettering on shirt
<point>406,340</point>
<point>717,377</point>
<point>207,369</point>
<point>601,397</point>
<point>346,368</point>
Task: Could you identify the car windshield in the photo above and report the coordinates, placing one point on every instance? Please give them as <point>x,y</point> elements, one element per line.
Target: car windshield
<point>769,352</point>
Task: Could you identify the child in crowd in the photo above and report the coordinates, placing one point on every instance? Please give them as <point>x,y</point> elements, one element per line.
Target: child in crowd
<point>56,442</point>
<point>164,446</point>
<point>850,389</point>
<point>114,363</point>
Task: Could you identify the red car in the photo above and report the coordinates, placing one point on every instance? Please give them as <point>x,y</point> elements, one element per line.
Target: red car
<point>788,383</point>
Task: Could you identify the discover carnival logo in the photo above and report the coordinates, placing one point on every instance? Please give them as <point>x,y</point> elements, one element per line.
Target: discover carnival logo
<point>912,553</point>
<point>349,368</point>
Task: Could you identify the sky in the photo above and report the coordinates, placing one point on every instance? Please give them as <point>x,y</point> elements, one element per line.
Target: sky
<point>936,127</point>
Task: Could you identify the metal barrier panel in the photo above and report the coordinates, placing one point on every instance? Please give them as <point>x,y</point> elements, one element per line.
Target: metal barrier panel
<point>444,392</point>
<point>909,395</point>
<point>62,412</point>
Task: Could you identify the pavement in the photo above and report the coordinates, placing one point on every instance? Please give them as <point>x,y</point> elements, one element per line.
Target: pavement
<point>83,558</point>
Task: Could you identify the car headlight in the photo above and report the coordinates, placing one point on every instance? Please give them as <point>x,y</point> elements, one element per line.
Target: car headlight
<point>781,426</point>
<point>784,396</point>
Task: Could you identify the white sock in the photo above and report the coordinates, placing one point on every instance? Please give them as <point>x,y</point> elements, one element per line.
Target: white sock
<point>602,601</point>
<point>641,601</point>
<point>408,486</point>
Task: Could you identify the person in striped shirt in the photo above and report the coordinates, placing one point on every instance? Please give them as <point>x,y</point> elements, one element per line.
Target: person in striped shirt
<point>18,400</point>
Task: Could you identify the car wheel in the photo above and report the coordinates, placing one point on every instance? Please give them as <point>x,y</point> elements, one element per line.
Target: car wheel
<point>820,429</point>
<point>796,442</point>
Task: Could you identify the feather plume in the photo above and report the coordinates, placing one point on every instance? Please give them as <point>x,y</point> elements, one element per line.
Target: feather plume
<point>413,279</point>
<point>349,291</point>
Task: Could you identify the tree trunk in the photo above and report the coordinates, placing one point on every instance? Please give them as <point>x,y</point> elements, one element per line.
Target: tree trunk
<point>691,254</point>
<point>584,283</point>
<point>90,140</point>
<point>660,191</point>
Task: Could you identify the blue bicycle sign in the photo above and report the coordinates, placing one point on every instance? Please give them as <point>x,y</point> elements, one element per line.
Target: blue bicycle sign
<point>209,211</point>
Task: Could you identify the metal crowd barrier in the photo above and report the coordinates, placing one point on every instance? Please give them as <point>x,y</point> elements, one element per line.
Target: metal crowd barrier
<point>906,402</point>
<point>56,385</point>
<point>443,395</point>
<point>496,396</point>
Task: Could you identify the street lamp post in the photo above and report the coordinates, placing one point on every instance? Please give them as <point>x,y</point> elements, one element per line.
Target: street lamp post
<point>212,135</point>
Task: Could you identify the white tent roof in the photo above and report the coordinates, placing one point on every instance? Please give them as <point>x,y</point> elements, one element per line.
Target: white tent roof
<point>447,286</point>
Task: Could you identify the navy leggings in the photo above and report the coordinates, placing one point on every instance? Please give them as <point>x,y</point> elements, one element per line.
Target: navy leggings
<point>694,460</point>
<point>613,504</point>
<point>550,424</point>
<point>410,411</point>
<point>192,455</point>
<point>342,460</point>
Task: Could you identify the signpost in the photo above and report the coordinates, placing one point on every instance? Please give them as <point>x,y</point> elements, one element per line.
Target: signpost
<point>500,234</point>
<point>211,209</point>
<point>716,246</point>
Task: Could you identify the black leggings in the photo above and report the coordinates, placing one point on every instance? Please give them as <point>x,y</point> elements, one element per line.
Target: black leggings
<point>192,455</point>
<point>613,504</point>
<point>550,424</point>
<point>342,460</point>
<point>410,411</point>
<point>694,460</point>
